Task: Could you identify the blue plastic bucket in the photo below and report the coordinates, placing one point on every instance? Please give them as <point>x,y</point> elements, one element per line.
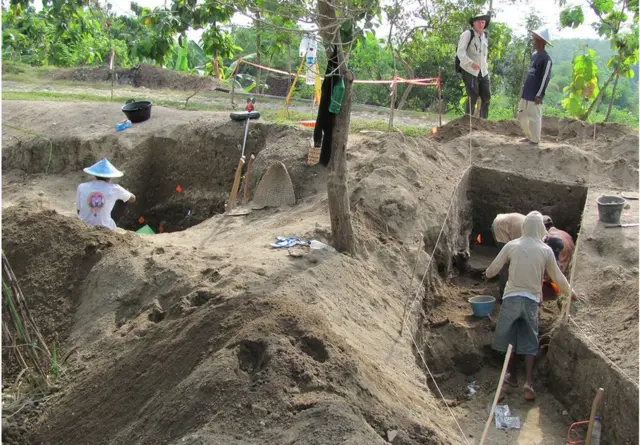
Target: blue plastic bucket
<point>482,305</point>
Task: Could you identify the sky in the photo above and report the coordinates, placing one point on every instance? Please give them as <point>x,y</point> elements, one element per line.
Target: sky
<point>504,12</point>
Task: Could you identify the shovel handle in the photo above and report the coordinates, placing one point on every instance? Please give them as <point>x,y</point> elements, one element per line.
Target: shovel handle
<point>236,183</point>
<point>247,179</point>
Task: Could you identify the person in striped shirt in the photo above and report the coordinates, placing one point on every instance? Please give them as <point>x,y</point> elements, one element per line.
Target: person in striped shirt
<point>535,85</point>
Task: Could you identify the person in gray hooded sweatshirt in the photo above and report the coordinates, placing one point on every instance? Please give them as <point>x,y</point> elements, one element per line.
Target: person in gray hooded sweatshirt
<point>528,257</point>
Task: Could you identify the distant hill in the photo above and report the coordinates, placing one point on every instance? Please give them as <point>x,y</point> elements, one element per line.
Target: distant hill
<point>564,50</point>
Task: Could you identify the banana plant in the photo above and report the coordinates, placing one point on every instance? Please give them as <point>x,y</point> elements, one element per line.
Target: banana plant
<point>239,81</point>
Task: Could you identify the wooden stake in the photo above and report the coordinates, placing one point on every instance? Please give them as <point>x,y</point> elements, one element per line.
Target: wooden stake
<point>439,100</point>
<point>234,190</point>
<point>113,71</point>
<point>497,396</point>
<point>394,90</point>
<point>247,178</point>
<point>594,409</point>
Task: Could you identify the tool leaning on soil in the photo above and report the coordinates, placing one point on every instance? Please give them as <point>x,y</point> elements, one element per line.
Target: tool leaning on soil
<point>245,116</point>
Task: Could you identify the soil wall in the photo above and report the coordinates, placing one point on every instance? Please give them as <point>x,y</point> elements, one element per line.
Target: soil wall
<point>576,371</point>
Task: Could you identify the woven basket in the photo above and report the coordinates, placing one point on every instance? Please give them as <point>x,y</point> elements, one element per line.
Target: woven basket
<point>314,156</point>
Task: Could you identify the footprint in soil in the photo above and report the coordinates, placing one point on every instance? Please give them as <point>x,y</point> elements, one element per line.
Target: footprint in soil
<point>314,348</point>
<point>253,356</point>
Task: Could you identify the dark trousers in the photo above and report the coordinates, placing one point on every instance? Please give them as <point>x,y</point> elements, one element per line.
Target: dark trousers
<point>477,87</point>
<point>118,211</point>
<point>323,132</point>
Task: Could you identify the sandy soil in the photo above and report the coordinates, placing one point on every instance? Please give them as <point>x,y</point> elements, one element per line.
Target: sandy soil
<point>207,335</point>
<point>214,99</point>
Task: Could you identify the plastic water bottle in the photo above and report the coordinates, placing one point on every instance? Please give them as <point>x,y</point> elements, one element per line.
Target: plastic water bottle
<point>121,126</point>
<point>596,431</point>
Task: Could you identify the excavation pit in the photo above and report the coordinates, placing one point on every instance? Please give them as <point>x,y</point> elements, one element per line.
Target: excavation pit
<point>459,351</point>
<point>181,183</point>
<point>491,192</point>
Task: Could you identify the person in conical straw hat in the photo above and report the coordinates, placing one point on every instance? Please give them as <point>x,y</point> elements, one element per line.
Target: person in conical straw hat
<point>535,85</point>
<point>472,54</point>
<point>96,199</point>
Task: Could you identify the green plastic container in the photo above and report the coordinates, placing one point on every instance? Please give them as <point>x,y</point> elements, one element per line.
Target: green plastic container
<point>146,230</point>
<point>336,98</point>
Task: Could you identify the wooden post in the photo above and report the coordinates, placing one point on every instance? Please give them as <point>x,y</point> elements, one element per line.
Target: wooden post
<point>497,396</point>
<point>233,82</point>
<point>439,100</point>
<point>394,90</point>
<point>111,68</point>
<point>247,179</point>
<point>594,410</point>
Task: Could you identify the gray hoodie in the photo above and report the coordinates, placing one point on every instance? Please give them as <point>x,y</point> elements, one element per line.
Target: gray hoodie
<point>528,258</point>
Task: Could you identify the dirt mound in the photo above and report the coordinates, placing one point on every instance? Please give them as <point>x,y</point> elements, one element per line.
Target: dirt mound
<point>51,255</point>
<point>208,335</point>
<point>146,76</point>
<point>553,128</point>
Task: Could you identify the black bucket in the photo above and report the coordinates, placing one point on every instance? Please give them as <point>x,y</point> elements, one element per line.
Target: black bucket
<point>137,111</point>
<point>610,208</point>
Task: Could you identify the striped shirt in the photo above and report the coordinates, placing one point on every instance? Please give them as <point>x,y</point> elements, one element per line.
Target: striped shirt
<point>538,77</point>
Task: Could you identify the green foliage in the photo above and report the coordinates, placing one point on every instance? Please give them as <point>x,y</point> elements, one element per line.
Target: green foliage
<point>612,15</point>
<point>572,17</point>
<point>584,84</point>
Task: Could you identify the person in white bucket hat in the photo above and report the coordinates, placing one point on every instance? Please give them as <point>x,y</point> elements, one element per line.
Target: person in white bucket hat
<point>472,56</point>
<point>535,85</point>
<point>95,199</point>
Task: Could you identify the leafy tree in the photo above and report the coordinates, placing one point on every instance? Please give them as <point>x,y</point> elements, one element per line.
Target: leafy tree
<point>613,24</point>
<point>584,84</point>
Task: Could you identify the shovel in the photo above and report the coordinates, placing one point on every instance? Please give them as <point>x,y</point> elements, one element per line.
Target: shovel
<point>239,117</point>
<point>611,226</point>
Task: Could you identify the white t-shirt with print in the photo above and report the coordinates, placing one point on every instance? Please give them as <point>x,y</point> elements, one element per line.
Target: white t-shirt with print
<point>95,200</point>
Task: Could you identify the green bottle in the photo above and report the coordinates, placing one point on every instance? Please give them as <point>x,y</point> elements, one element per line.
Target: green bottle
<point>336,98</point>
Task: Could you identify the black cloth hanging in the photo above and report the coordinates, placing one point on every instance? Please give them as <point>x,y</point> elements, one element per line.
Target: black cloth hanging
<point>323,132</point>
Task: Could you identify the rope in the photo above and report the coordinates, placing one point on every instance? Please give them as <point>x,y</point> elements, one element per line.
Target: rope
<point>567,315</point>
<point>424,276</point>
<point>574,260</point>
<point>424,362</point>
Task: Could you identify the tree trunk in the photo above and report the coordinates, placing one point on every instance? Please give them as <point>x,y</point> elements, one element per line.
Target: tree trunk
<point>613,97</point>
<point>407,90</point>
<point>585,116</point>
<point>258,88</point>
<point>337,181</point>
<point>289,68</point>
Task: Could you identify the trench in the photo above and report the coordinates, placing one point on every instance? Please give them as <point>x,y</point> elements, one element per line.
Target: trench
<point>179,186</point>
<point>456,344</point>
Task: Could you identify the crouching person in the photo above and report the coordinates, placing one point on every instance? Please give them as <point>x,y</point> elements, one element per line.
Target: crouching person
<point>95,200</point>
<point>528,257</point>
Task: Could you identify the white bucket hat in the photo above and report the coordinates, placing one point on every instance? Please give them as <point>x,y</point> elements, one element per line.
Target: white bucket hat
<point>543,33</point>
<point>103,169</point>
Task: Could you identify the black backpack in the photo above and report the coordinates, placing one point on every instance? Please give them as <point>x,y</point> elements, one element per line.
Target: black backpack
<point>456,61</point>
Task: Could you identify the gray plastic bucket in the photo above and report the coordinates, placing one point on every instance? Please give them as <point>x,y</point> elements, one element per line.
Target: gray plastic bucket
<point>610,208</point>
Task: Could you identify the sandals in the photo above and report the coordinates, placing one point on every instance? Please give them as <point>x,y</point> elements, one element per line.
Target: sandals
<point>529,393</point>
<point>509,382</point>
